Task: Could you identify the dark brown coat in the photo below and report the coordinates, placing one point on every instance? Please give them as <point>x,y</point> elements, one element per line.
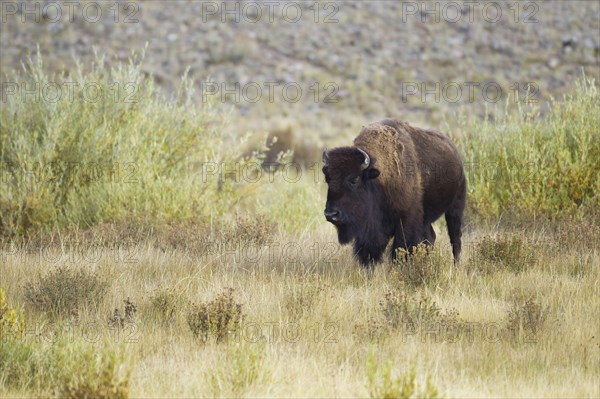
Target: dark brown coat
<point>394,182</point>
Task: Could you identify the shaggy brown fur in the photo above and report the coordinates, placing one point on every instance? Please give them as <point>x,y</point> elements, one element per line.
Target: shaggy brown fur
<point>413,177</point>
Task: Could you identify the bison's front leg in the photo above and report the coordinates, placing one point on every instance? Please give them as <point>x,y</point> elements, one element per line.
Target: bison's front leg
<point>408,235</point>
<point>367,255</point>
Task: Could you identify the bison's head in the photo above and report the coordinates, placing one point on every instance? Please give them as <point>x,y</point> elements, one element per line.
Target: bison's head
<point>350,174</point>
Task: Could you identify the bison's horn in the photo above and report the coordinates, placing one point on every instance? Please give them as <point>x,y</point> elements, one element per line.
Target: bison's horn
<point>367,160</point>
<point>325,157</point>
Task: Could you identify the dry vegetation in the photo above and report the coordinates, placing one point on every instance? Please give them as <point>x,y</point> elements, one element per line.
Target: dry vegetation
<point>318,327</point>
<point>170,285</point>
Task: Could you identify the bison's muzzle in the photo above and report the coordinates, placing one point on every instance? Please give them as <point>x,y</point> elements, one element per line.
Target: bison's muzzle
<point>333,216</point>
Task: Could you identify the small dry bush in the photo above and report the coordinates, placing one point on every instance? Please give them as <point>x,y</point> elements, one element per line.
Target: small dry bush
<point>382,384</point>
<point>218,318</point>
<point>507,252</point>
<point>401,311</point>
<point>189,236</point>
<point>422,267</point>
<point>12,320</point>
<point>372,330</point>
<point>63,290</point>
<point>526,319</point>
<point>255,230</point>
<point>165,304</point>
<point>301,296</point>
<point>119,319</point>
<point>196,236</point>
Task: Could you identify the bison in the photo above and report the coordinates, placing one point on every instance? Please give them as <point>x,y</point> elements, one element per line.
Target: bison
<point>394,182</point>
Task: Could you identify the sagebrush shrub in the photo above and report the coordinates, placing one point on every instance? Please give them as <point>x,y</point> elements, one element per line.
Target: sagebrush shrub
<point>301,295</point>
<point>216,319</point>
<point>119,320</point>
<point>165,304</point>
<point>247,229</point>
<point>372,330</point>
<point>422,267</point>
<point>526,318</point>
<point>512,253</point>
<point>64,289</point>
<point>400,310</point>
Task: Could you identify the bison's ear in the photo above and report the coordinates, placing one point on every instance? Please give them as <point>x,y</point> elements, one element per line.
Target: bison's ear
<point>371,173</point>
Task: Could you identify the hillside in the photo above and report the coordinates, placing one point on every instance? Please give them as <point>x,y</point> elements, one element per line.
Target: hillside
<point>353,61</point>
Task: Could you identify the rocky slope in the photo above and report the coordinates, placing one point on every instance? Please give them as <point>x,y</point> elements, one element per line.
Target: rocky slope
<point>354,61</point>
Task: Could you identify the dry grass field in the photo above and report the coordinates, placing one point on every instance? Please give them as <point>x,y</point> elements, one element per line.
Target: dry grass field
<point>510,323</point>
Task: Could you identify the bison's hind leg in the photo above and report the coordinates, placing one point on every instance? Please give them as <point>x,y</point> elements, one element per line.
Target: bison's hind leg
<point>454,220</point>
<point>429,236</point>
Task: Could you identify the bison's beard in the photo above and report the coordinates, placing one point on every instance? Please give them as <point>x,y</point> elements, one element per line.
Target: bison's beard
<point>345,235</point>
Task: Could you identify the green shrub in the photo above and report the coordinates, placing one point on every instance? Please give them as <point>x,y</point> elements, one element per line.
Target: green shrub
<point>12,320</point>
<point>133,156</point>
<point>526,165</point>
<point>216,319</point>
<point>63,290</point>
<point>127,154</point>
<point>18,365</point>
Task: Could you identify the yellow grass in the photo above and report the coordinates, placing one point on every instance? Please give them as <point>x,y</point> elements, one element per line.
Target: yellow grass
<point>323,353</point>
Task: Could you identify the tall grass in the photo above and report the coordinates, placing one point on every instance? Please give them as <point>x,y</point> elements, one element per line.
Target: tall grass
<point>67,368</point>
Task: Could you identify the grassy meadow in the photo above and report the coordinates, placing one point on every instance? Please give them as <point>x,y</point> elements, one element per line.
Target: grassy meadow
<point>144,253</point>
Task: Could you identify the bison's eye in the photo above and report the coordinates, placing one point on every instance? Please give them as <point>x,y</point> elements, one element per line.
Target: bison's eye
<point>354,181</point>
<point>325,172</point>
